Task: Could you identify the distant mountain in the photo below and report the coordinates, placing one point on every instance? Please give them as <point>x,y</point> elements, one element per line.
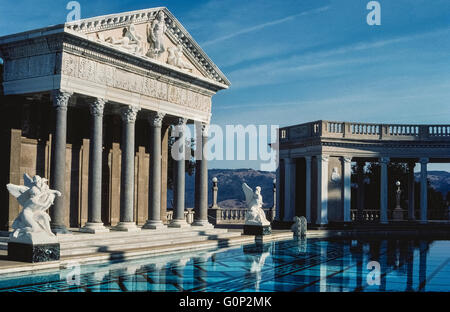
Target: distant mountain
<point>230,193</point>
<point>439,180</point>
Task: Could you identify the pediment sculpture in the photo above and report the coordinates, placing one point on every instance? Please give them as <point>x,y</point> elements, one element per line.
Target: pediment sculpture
<point>129,41</point>
<point>33,222</point>
<point>175,58</point>
<point>155,36</point>
<point>255,215</point>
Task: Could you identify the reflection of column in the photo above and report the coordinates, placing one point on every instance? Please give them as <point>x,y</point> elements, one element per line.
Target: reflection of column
<point>323,267</point>
<point>383,264</point>
<point>423,247</point>
<point>154,202</point>
<point>95,224</point>
<point>360,190</point>
<point>179,169</point>
<point>289,189</point>
<point>322,189</point>
<point>201,212</point>
<point>346,191</point>
<point>308,188</point>
<point>58,158</point>
<point>127,223</point>
<point>423,190</point>
<point>411,197</point>
<point>384,161</point>
<point>410,266</point>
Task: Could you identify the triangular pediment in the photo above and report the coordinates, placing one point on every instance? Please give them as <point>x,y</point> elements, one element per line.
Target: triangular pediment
<point>154,34</point>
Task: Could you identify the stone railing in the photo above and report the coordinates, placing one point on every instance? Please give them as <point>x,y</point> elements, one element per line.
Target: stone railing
<point>336,129</point>
<point>234,215</point>
<point>368,215</point>
<point>188,215</point>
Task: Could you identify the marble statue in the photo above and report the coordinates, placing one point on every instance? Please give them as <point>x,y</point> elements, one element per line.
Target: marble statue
<point>130,40</point>
<point>335,176</point>
<point>35,197</point>
<point>255,214</point>
<point>155,36</point>
<point>175,58</point>
<point>300,226</point>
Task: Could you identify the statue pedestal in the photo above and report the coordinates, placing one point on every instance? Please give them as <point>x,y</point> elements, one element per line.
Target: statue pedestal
<point>257,229</point>
<point>33,248</point>
<point>397,214</point>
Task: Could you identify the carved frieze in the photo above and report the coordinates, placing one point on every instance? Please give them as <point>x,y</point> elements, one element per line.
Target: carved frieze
<point>103,74</point>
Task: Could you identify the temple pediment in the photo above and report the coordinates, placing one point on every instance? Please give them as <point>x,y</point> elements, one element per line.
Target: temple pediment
<point>154,34</point>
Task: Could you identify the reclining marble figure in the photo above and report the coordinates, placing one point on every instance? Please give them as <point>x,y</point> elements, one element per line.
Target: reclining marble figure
<point>33,222</point>
<point>255,214</point>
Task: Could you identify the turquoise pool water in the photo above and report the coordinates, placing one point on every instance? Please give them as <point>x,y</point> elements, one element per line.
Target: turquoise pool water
<point>309,265</point>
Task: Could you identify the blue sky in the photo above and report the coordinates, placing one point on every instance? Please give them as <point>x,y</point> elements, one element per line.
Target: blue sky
<point>295,61</point>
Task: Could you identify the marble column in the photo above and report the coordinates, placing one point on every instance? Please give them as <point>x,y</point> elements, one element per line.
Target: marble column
<point>346,188</point>
<point>58,159</point>
<point>322,189</point>
<point>289,189</point>
<point>127,223</point>
<point>411,195</point>
<point>201,212</point>
<point>178,154</point>
<point>384,161</point>
<point>154,201</point>
<point>95,224</point>
<point>308,189</point>
<point>278,194</point>
<point>360,191</point>
<point>423,190</point>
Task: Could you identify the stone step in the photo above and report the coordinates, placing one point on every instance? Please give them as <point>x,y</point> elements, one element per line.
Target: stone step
<point>78,236</point>
<point>146,236</point>
<point>122,246</point>
<point>3,246</point>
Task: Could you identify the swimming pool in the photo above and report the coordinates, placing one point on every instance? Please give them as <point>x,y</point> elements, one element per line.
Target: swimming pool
<point>308,265</point>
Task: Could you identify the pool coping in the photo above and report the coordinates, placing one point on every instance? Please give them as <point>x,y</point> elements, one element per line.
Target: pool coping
<point>8,267</point>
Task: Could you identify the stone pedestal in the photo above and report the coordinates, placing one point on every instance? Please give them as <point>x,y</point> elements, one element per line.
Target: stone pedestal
<point>397,214</point>
<point>127,227</point>
<point>257,229</point>
<point>94,228</point>
<point>33,248</point>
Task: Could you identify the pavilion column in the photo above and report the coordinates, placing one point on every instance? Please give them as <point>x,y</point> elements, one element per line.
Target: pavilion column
<point>95,224</point>
<point>201,211</point>
<point>289,189</point>
<point>58,158</point>
<point>178,154</point>
<point>308,189</point>
<point>411,195</point>
<point>384,161</point>
<point>360,191</point>
<point>154,204</point>
<point>423,190</point>
<point>322,189</point>
<point>127,223</point>
<point>278,193</point>
<point>346,191</point>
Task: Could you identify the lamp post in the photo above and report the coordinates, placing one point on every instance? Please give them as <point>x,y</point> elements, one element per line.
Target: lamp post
<point>398,211</point>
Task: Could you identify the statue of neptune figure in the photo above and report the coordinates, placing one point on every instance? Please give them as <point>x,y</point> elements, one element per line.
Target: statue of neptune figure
<point>35,197</point>
<point>255,214</point>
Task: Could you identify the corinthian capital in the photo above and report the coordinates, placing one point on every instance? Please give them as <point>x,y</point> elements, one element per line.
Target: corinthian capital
<point>61,99</point>
<point>129,113</point>
<point>205,129</point>
<point>97,107</point>
<point>156,119</point>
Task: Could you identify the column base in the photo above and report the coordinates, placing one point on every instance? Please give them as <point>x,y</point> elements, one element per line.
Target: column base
<point>154,225</point>
<point>127,227</point>
<point>179,224</point>
<point>203,224</point>
<point>60,229</point>
<point>94,228</point>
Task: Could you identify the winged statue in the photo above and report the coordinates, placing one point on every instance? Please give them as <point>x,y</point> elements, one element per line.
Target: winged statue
<point>35,197</point>
<point>255,214</point>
